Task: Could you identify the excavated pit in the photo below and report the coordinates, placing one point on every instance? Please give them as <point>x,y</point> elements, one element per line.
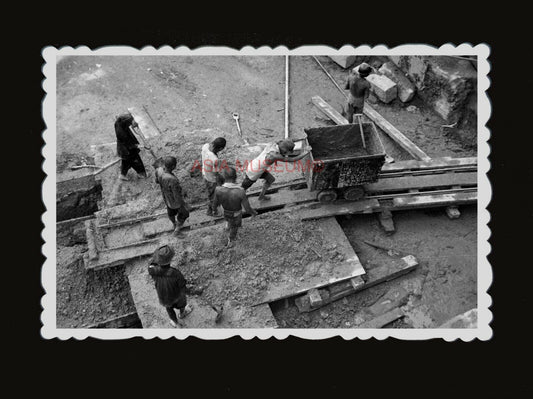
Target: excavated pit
<point>78,197</point>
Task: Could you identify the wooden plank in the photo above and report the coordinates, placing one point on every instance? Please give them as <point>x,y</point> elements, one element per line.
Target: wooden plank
<point>395,134</point>
<point>337,209</point>
<point>377,275</point>
<point>329,111</point>
<point>286,96</point>
<point>383,320</point>
<point>124,321</point>
<point>433,163</point>
<point>436,200</point>
<point>283,197</point>
<point>420,182</point>
<point>144,121</point>
<point>349,267</point>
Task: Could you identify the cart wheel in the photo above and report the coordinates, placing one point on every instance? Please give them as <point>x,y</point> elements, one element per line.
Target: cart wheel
<point>354,193</point>
<point>326,196</point>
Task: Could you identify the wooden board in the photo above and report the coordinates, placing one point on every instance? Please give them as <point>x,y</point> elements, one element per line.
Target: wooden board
<point>148,129</point>
<point>317,211</point>
<point>398,203</point>
<point>421,182</point>
<point>437,200</point>
<point>384,319</point>
<point>394,133</point>
<point>329,111</point>
<point>374,276</point>
<point>283,197</point>
<point>433,163</point>
<point>342,270</point>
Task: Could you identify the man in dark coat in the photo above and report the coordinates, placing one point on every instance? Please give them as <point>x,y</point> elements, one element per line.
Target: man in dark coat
<point>169,284</point>
<point>359,91</point>
<point>128,146</point>
<point>172,193</point>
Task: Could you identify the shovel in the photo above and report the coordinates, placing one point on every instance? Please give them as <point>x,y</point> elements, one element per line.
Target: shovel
<point>236,117</point>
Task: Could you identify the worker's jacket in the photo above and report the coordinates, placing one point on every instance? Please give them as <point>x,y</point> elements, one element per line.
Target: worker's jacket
<point>169,284</point>
<point>126,141</point>
<point>170,188</point>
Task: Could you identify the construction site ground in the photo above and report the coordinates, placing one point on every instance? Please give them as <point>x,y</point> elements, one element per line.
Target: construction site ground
<point>191,100</point>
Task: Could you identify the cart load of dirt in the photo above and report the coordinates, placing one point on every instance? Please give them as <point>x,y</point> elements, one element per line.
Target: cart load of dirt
<point>343,141</point>
<point>271,250</point>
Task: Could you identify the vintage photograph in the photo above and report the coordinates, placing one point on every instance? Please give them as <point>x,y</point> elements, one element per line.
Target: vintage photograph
<point>314,192</point>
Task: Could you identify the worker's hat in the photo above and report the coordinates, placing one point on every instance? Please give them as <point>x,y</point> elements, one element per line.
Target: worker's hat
<point>286,145</point>
<point>363,70</point>
<point>163,255</point>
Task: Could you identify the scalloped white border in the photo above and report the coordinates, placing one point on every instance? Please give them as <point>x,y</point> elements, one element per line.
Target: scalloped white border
<point>48,301</point>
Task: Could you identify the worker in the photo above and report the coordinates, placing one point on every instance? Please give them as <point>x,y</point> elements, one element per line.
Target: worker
<point>128,147</point>
<point>359,91</point>
<point>233,198</point>
<point>172,193</point>
<point>169,284</point>
<point>210,171</point>
<point>258,167</point>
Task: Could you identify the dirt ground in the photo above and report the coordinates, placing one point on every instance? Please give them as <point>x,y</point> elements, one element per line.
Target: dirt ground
<point>85,298</point>
<point>191,100</point>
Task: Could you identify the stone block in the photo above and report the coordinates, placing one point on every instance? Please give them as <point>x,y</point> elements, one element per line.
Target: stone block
<point>314,298</point>
<point>453,212</point>
<point>384,88</point>
<point>410,260</point>
<point>406,88</point>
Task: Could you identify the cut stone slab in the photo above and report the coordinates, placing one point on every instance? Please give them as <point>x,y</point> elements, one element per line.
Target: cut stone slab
<point>406,88</point>
<point>344,61</point>
<point>384,88</point>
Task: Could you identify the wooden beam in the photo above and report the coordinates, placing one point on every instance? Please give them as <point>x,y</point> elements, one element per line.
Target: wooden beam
<point>337,209</point>
<point>146,125</point>
<point>383,320</point>
<point>432,163</point>
<point>395,184</point>
<point>427,201</point>
<point>374,276</point>
<point>329,111</point>
<point>286,96</point>
<point>395,134</point>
